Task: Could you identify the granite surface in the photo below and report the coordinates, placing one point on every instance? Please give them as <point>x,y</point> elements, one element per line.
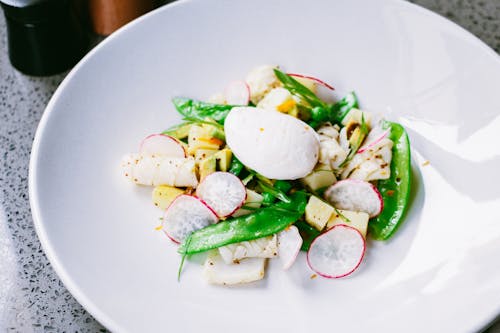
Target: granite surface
<point>32,298</point>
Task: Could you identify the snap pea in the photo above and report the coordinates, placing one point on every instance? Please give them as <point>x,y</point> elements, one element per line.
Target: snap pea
<point>236,166</point>
<point>193,109</point>
<point>395,191</point>
<point>263,222</point>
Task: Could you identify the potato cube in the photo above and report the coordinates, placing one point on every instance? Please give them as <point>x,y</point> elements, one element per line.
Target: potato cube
<point>201,154</point>
<point>224,159</point>
<point>322,176</point>
<point>358,220</point>
<point>207,166</point>
<point>318,212</point>
<point>200,138</point>
<point>163,195</point>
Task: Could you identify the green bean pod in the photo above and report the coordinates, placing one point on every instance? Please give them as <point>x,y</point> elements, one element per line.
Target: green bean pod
<point>395,191</point>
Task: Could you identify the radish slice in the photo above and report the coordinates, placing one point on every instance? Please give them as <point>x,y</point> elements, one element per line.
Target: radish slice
<point>376,135</point>
<point>289,243</point>
<point>318,81</point>
<point>162,144</point>
<point>185,215</point>
<point>337,252</point>
<point>223,192</point>
<point>355,195</point>
<point>237,93</point>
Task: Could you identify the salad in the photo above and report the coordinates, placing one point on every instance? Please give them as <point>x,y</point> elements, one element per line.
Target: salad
<point>267,169</point>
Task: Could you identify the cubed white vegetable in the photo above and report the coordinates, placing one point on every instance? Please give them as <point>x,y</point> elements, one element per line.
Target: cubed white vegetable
<point>321,177</point>
<point>216,271</point>
<point>358,220</point>
<point>318,212</point>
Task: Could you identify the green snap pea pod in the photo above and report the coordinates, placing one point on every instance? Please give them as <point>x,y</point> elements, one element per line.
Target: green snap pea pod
<point>236,166</point>
<point>282,185</point>
<point>193,109</point>
<point>263,222</point>
<point>395,191</point>
<point>308,234</point>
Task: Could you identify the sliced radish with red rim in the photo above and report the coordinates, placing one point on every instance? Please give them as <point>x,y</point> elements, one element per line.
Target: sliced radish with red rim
<point>289,243</point>
<point>355,195</point>
<point>162,144</point>
<point>376,135</point>
<point>316,80</point>
<point>223,192</point>
<point>237,93</point>
<point>185,215</point>
<point>337,252</point>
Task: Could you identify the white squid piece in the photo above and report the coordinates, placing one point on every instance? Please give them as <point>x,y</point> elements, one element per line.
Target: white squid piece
<point>330,151</point>
<point>216,271</point>
<point>372,164</point>
<point>261,80</point>
<point>154,170</point>
<point>265,247</point>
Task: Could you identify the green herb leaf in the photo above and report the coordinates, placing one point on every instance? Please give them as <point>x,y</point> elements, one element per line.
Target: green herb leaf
<point>198,110</point>
<point>299,90</point>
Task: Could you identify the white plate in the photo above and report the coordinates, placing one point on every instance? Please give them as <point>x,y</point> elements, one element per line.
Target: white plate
<point>440,273</point>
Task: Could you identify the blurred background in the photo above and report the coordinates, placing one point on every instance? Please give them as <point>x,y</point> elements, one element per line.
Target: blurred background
<point>40,41</point>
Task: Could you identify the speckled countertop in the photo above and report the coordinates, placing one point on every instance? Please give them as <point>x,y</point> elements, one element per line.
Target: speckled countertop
<point>32,298</point>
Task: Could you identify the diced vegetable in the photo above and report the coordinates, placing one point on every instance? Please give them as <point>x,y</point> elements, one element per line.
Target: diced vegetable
<point>355,195</point>
<point>161,144</point>
<point>358,220</point>
<point>207,167</point>
<point>185,215</point>
<point>318,212</point>
<point>289,244</point>
<point>202,154</point>
<point>321,177</point>
<point>200,138</point>
<point>337,252</point>
<point>159,170</point>
<point>395,191</point>
<point>163,195</point>
<point>216,271</point>
<point>223,192</point>
<point>223,158</point>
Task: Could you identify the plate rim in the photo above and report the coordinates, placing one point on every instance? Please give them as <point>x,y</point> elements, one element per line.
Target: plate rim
<point>52,256</point>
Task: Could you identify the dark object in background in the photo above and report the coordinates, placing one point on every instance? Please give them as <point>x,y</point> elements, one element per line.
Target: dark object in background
<point>45,37</point>
<point>108,15</point>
